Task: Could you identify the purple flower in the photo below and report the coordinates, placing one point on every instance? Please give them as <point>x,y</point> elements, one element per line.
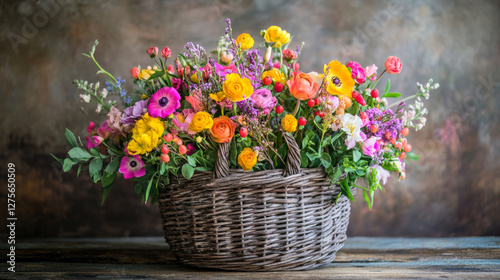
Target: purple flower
<point>132,167</point>
<point>164,102</point>
<point>247,108</point>
<point>263,99</point>
<point>131,114</point>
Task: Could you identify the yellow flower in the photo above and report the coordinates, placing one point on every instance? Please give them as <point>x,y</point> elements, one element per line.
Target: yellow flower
<point>276,35</point>
<point>201,121</point>
<point>237,88</point>
<point>219,96</point>
<point>274,74</point>
<point>145,135</point>
<point>245,41</point>
<point>289,123</point>
<point>145,74</point>
<point>247,159</point>
<point>194,78</point>
<point>339,79</point>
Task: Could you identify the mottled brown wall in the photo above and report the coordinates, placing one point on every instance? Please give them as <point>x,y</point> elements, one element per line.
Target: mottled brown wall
<point>453,190</point>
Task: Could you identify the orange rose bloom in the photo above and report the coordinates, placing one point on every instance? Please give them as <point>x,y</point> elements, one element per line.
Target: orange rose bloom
<point>302,86</point>
<point>222,130</point>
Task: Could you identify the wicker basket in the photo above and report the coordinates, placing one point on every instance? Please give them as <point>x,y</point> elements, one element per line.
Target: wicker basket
<point>255,221</point>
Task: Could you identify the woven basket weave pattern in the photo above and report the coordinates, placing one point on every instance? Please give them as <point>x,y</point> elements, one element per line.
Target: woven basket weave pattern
<point>254,221</point>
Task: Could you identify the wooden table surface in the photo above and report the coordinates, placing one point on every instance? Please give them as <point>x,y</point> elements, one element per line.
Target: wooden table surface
<point>361,258</point>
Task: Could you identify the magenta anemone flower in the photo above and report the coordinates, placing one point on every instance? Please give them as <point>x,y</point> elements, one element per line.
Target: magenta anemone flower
<point>132,167</point>
<point>164,102</point>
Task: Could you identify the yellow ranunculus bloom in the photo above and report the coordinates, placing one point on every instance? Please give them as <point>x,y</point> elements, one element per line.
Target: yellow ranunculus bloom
<point>274,74</point>
<point>247,159</point>
<point>201,120</point>
<point>194,78</point>
<point>145,74</point>
<point>145,135</point>
<point>219,96</point>
<point>339,79</point>
<point>276,35</point>
<point>245,41</point>
<point>289,123</point>
<point>237,88</point>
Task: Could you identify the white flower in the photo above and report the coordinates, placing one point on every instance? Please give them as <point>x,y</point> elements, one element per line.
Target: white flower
<point>382,174</point>
<point>85,97</point>
<point>419,126</point>
<point>423,120</point>
<point>99,108</point>
<point>396,163</point>
<point>104,93</point>
<point>267,56</point>
<point>351,125</point>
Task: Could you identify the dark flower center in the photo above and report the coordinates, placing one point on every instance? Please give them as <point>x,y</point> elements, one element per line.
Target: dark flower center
<point>163,102</point>
<point>336,81</point>
<point>133,163</point>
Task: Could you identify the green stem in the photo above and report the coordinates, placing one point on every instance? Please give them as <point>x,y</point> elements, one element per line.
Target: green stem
<point>234,108</point>
<point>321,142</point>
<point>407,98</point>
<point>296,108</point>
<point>378,79</point>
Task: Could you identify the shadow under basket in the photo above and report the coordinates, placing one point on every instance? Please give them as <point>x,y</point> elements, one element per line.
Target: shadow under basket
<point>255,221</point>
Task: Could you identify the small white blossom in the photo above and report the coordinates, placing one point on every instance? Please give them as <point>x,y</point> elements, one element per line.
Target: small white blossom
<point>99,108</point>
<point>104,93</point>
<point>85,98</point>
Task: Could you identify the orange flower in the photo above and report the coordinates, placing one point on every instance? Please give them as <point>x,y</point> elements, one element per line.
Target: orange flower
<point>222,130</point>
<point>302,86</point>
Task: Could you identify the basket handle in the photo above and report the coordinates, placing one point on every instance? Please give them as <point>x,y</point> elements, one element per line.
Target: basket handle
<point>292,159</point>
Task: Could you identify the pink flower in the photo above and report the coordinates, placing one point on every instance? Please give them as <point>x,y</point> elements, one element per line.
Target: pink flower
<point>166,52</point>
<point>182,120</point>
<point>114,120</point>
<point>289,54</point>
<point>371,72</point>
<point>93,141</point>
<point>382,174</point>
<point>153,51</point>
<point>164,102</point>
<point>302,86</point>
<point>371,146</point>
<point>134,72</point>
<point>264,99</point>
<point>195,101</point>
<point>105,131</point>
<point>190,149</point>
<point>393,65</point>
<point>357,72</point>
<point>91,127</point>
<point>132,167</point>
<point>170,69</point>
<point>224,70</point>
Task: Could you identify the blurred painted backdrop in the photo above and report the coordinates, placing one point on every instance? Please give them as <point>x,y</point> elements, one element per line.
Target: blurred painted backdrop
<point>453,190</point>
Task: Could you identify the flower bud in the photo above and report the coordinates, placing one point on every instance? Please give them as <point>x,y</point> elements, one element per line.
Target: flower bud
<point>153,52</point>
<point>267,56</point>
<point>166,52</point>
<point>226,57</point>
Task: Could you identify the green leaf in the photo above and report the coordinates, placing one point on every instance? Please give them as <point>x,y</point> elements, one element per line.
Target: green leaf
<point>156,75</point>
<point>57,159</point>
<point>326,160</point>
<point>345,189</point>
<point>187,171</point>
<point>112,166</point>
<point>337,174</point>
<point>304,160</point>
<point>68,163</point>
<point>388,86</point>
<point>79,170</point>
<point>94,152</point>
<point>148,189</point>
<point>105,193</point>
<point>201,168</point>
<point>392,95</point>
<point>356,155</point>
<point>163,168</point>
<point>70,138</point>
<point>367,199</point>
<point>191,161</point>
<point>95,167</point>
<point>108,179</point>
<point>79,153</point>
<point>412,156</point>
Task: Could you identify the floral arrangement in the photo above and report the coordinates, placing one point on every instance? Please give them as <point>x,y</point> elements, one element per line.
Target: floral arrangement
<point>171,124</point>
